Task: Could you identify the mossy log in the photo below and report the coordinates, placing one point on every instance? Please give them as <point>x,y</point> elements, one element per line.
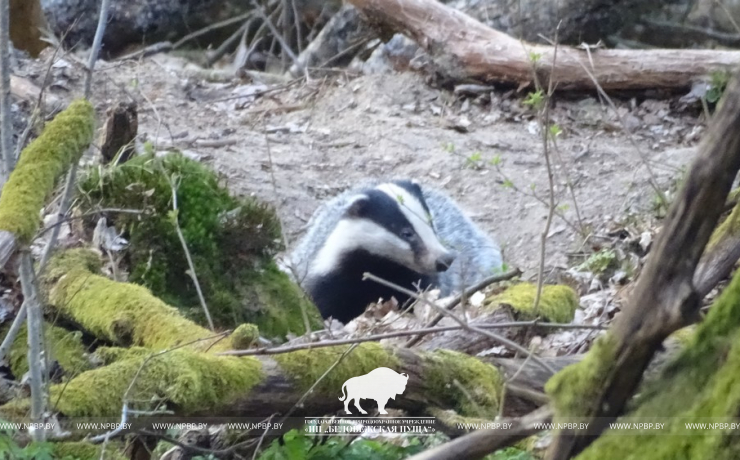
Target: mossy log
<point>169,364</point>
<point>60,145</point>
<point>121,313</point>
<point>193,383</point>
<point>64,347</point>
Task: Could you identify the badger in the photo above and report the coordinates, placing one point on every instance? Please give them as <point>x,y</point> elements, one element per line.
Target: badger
<point>413,237</point>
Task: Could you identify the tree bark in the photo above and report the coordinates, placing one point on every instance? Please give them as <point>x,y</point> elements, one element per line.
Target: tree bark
<point>463,49</point>
<point>664,299</point>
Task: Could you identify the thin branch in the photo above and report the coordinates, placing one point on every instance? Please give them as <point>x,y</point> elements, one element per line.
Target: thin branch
<point>86,214</point>
<point>275,32</point>
<point>466,293</point>
<point>97,41</point>
<point>69,186</point>
<point>12,333</point>
<point>211,27</point>
<point>35,342</point>
<point>460,321</point>
<point>545,128</point>
<point>394,334</point>
<point>191,266</point>
<point>480,443</point>
<point>6,120</point>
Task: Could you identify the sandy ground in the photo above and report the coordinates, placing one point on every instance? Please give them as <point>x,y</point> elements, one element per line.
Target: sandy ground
<point>296,146</point>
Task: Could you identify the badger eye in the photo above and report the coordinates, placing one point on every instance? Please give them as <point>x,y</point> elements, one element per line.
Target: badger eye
<point>407,233</point>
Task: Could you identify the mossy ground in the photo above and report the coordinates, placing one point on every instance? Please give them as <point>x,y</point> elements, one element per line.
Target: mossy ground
<point>232,242</point>
<point>557,303</point>
<point>80,450</point>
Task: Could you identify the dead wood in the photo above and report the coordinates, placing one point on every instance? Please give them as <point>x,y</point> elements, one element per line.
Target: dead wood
<point>664,298</point>
<point>120,131</point>
<point>8,246</point>
<point>472,343</point>
<point>463,49</point>
<point>717,264</point>
<point>480,443</point>
<point>26,90</point>
<point>337,43</point>
<point>27,21</point>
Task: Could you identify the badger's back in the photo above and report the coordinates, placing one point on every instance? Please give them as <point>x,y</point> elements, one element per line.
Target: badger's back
<point>478,256</point>
<point>322,222</point>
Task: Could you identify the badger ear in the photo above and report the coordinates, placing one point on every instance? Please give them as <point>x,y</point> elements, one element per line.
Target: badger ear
<point>358,206</point>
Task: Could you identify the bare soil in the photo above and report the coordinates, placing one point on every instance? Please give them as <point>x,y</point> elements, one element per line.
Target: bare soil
<point>295,146</point>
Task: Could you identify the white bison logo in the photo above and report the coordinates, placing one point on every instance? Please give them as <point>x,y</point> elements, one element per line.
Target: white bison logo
<point>380,384</point>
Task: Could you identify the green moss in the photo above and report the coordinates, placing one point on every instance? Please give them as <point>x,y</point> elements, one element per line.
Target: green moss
<point>186,381</point>
<point>701,385</point>
<point>80,450</point>
<point>61,143</point>
<point>729,227</point>
<point>307,366</point>
<point>71,259</point>
<point>684,335</point>
<point>557,303</point>
<point>281,302</point>
<point>599,262</point>
<point>63,346</point>
<point>472,387</point>
<point>574,388</point>
<point>122,313</point>
<point>17,410</point>
<point>108,355</point>
<point>232,242</point>
<point>733,196</point>
<point>245,336</point>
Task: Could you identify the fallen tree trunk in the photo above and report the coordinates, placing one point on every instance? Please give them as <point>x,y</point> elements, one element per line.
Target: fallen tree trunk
<point>463,49</point>
<point>175,361</point>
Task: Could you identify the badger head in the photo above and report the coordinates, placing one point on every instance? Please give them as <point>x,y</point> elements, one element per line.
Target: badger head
<point>391,221</point>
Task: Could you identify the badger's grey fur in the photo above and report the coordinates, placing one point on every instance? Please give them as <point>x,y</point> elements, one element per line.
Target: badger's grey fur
<point>367,230</point>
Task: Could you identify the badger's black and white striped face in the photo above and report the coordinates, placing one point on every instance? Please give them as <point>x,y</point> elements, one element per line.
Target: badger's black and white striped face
<point>391,221</point>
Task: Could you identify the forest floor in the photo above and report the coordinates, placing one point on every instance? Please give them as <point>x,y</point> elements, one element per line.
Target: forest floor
<point>297,145</point>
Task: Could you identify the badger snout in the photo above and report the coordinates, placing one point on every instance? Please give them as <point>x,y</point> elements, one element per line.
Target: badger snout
<point>444,261</point>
